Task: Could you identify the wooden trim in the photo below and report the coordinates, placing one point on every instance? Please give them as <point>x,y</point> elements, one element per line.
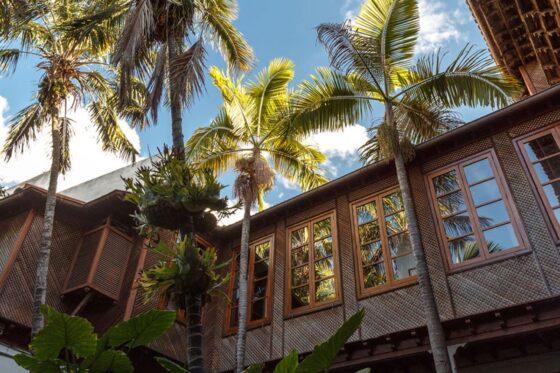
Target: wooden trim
<point>527,80</point>
<point>123,272</point>
<point>134,289</point>
<point>514,218</point>
<point>252,324</point>
<point>98,252</point>
<point>536,186</point>
<point>313,306</point>
<point>391,283</point>
<point>22,235</point>
<point>74,259</point>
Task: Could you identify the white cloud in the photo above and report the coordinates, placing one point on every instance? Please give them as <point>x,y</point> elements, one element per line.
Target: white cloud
<point>238,215</point>
<point>343,144</point>
<point>87,157</point>
<point>350,8</point>
<point>439,25</point>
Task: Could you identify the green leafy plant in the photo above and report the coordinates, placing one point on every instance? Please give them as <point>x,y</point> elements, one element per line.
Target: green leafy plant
<point>68,344</point>
<point>172,194</point>
<point>2,192</point>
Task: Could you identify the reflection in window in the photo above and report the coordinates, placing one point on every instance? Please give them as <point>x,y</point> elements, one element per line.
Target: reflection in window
<point>258,275</point>
<point>543,156</point>
<point>312,264</point>
<point>383,241</point>
<point>473,212</point>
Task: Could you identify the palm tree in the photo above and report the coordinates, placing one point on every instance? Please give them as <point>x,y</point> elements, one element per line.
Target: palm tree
<point>245,136</point>
<point>186,273</point>
<point>372,59</point>
<point>163,42</point>
<point>72,75</point>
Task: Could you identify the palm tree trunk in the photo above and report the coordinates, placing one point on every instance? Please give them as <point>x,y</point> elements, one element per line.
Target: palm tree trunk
<point>195,360</point>
<point>433,322</point>
<point>40,294</point>
<point>175,103</point>
<point>243,264</point>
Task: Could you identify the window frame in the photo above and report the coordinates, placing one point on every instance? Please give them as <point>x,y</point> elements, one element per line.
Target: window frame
<point>391,284</point>
<point>515,220</point>
<point>230,330</point>
<point>312,306</point>
<point>537,186</point>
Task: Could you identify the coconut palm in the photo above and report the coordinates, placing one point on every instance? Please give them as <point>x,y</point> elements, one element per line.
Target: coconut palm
<point>72,74</point>
<point>163,41</point>
<point>247,136</point>
<point>372,61</point>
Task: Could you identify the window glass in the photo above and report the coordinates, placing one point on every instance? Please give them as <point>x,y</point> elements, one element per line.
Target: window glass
<point>541,147</point>
<point>374,275</point>
<point>478,171</point>
<point>463,249</point>
<point>552,192</point>
<point>492,214</point>
<point>484,192</point>
<point>548,169</point>
<point>500,238</point>
<point>446,183</point>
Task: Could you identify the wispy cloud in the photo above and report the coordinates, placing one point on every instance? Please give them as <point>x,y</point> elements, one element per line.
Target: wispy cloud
<point>87,158</point>
<point>350,8</point>
<point>440,25</point>
<point>343,144</point>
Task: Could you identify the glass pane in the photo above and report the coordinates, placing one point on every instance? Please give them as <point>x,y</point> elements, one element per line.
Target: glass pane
<point>500,238</point>
<point>478,171</point>
<point>463,249</point>
<point>300,275</point>
<point>234,317</point>
<point>446,183</point>
<point>257,310</point>
<point>261,269</point>
<point>375,275</point>
<point>368,232</point>
<point>324,268</point>
<point>322,229</point>
<point>262,251</point>
<point>372,253</point>
<point>300,297</point>
<point>548,169</point>
<point>400,244</point>
<point>451,204</point>
<point>325,290</point>
<point>552,192</point>
<point>323,247</point>
<point>300,256</point>
<point>457,226</point>
<point>492,214</point>
<point>541,147</point>
<point>404,266</point>
<point>366,213</point>
<point>392,203</point>
<point>396,223</point>
<point>259,288</point>
<point>485,192</point>
<point>299,237</point>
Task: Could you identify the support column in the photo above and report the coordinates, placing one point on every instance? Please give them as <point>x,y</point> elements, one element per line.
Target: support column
<point>451,350</point>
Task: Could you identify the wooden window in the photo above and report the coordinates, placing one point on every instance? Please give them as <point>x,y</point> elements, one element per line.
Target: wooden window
<point>541,152</point>
<point>477,220</point>
<point>383,250</point>
<point>259,289</point>
<point>313,275</point>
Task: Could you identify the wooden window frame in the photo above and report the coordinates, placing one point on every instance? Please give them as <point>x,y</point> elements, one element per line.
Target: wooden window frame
<point>253,324</point>
<point>536,185</point>
<point>313,306</point>
<point>391,283</point>
<point>515,220</point>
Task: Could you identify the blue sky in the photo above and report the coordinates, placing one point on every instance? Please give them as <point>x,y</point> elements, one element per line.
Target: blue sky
<point>274,29</point>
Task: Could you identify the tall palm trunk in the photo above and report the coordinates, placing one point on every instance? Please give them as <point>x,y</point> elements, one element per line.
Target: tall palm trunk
<point>242,310</point>
<point>40,294</point>
<point>431,313</point>
<point>195,360</point>
<point>175,103</point>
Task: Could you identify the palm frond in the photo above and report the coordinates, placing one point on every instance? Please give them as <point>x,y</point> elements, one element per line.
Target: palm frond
<point>9,59</point>
<point>470,79</point>
<point>66,133</point>
<point>156,83</point>
<point>187,71</point>
<point>23,128</point>
<point>109,132</point>
<point>218,16</point>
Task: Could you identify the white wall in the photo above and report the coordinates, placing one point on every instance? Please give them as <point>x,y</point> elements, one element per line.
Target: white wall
<point>7,364</point>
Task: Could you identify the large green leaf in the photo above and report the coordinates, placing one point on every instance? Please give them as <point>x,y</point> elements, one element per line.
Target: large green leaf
<point>63,332</point>
<point>34,365</point>
<point>322,356</point>
<point>142,329</point>
<point>112,361</point>
<point>170,366</point>
<point>288,364</point>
